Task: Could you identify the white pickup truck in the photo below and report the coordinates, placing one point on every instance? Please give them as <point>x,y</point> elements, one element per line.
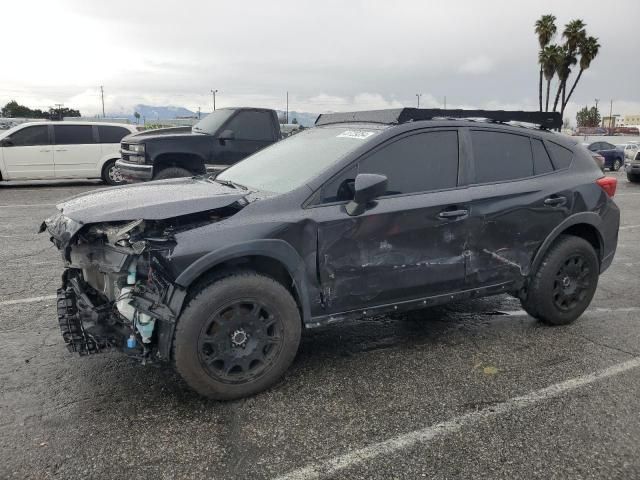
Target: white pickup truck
<point>54,150</point>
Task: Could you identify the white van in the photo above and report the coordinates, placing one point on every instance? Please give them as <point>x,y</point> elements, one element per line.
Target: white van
<point>55,150</point>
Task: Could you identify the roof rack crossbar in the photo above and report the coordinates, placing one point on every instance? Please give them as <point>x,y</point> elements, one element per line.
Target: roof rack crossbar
<point>546,120</point>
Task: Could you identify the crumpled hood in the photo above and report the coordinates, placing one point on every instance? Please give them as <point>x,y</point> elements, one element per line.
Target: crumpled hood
<point>149,201</point>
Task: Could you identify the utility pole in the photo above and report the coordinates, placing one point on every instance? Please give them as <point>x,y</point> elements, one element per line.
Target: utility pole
<point>418,95</point>
<point>445,102</point>
<point>611,115</point>
<point>102,96</point>
<point>198,113</point>
<point>286,118</point>
<point>59,106</point>
<point>213,92</point>
<point>597,100</point>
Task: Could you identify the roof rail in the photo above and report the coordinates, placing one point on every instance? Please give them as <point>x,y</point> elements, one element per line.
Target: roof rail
<point>546,120</point>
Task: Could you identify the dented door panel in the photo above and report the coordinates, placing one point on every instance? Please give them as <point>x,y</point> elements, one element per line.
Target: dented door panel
<point>399,250</point>
<point>508,223</point>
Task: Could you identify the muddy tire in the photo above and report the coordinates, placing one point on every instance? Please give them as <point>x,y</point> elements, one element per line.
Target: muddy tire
<point>565,282</point>
<point>111,174</point>
<point>237,336</point>
<point>172,172</point>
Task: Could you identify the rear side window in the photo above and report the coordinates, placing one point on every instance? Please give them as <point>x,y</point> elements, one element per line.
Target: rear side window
<point>561,156</point>
<point>249,125</point>
<point>111,134</point>
<point>501,156</point>
<point>29,136</point>
<point>73,134</point>
<point>541,161</point>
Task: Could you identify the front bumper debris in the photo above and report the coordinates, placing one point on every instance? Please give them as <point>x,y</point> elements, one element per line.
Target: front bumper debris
<point>135,172</point>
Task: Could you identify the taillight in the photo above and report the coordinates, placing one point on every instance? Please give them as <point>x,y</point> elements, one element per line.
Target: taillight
<point>608,184</point>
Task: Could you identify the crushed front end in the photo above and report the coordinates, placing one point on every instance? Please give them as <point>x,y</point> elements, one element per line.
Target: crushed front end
<point>117,291</point>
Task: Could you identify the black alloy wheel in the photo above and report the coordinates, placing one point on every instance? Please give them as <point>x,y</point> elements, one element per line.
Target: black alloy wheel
<point>572,283</point>
<point>240,341</point>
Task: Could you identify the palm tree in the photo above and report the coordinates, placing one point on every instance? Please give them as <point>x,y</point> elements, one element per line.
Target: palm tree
<point>549,59</point>
<point>545,29</point>
<point>574,33</point>
<point>588,48</point>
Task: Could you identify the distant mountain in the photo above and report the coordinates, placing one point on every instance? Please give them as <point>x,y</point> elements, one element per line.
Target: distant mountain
<point>151,113</point>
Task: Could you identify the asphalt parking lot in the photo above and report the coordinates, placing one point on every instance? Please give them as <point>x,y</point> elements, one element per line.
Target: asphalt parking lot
<point>472,390</point>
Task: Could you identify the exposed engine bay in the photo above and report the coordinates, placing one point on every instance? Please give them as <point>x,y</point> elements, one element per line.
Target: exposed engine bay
<point>117,289</point>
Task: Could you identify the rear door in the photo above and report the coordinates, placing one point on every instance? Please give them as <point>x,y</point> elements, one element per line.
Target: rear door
<point>411,244</point>
<point>253,130</point>
<point>30,154</point>
<point>516,201</point>
<point>76,152</point>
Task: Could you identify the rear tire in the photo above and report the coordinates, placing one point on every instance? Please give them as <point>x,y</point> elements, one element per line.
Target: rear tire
<point>111,174</point>
<point>237,336</point>
<point>172,172</point>
<point>565,282</point>
<point>633,177</point>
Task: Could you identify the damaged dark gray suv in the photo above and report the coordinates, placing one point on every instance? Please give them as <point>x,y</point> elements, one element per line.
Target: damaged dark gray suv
<point>367,213</point>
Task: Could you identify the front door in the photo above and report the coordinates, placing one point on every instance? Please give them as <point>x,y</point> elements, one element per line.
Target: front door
<point>411,244</point>
<point>76,152</point>
<point>29,154</point>
<point>252,129</point>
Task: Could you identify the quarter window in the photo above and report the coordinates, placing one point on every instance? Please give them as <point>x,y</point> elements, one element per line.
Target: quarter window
<point>501,156</point>
<point>251,125</point>
<point>30,136</point>
<point>111,134</point>
<point>561,156</point>
<point>73,134</point>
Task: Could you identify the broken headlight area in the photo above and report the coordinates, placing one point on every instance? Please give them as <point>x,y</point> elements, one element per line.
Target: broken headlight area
<point>117,291</point>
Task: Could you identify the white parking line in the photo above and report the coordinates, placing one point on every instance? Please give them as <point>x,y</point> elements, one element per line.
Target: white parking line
<point>334,465</point>
<point>27,300</point>
<point>29,205</point>
<point>516,313</point>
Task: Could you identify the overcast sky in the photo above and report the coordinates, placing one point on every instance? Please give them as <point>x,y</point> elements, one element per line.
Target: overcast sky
<point>330,55</point>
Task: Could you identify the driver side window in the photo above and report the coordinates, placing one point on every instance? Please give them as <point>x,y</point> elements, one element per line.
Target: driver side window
<point>421,162</point>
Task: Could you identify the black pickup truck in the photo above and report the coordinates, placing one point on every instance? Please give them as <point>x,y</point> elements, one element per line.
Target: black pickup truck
<point>217,141</point>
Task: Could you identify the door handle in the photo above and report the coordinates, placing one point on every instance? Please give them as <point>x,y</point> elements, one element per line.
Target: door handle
<point>61,149</point>
<point>45,150</point>
<point>555,201</point>
<point>453,213</point>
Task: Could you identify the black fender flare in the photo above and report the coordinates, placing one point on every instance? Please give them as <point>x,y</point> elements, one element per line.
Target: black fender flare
<point>276,249</point>
<point>589,218</point>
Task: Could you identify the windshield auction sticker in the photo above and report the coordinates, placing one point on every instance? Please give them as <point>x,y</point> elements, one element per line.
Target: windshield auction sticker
<point>359,134</point>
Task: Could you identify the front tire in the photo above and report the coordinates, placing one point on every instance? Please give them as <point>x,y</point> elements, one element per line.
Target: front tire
<point>111,174</point>
<point>172,172</point>
<point>633,177</point>
<point>617,164</point>
<point>237,336</point>
<point>565,282</point>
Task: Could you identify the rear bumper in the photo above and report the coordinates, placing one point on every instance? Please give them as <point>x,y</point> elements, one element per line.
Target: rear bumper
<point>134,172</point>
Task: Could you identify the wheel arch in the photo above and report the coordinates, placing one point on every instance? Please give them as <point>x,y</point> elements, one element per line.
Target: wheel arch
<point>274,258</point>
<point>585,225</point>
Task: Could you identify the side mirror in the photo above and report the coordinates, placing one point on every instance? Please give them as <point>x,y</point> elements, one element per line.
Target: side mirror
<point>368,187</point>
<point>226,135</point>
<point>6,142</point>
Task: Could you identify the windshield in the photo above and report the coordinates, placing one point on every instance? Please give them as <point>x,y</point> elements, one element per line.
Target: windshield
<point>211,123</point>
<point>293,162</point>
